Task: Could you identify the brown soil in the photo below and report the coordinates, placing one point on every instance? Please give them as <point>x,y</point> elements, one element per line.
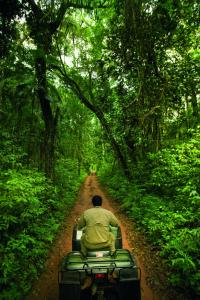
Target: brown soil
<point>46,288</point>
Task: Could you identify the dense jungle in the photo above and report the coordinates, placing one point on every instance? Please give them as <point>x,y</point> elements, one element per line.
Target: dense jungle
<point>104,86</point>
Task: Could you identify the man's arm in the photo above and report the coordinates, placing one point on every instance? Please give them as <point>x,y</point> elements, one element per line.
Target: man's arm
<point>113,220</point>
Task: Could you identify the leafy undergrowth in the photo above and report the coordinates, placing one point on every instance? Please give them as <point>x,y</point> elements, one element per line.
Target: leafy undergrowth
<point>32,210</point>
<point>166,206</point>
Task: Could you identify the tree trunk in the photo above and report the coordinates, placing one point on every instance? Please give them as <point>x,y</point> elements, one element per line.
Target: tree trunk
<point>50,122</point>
<point>195,110</point>
<point>114,144</point>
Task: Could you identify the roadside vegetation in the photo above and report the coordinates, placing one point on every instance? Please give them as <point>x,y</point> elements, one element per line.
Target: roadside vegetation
<point>32,211</point>
<point>164,199</point>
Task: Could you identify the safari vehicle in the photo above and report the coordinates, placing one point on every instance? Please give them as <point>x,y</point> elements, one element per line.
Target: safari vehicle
<point>114,277</point>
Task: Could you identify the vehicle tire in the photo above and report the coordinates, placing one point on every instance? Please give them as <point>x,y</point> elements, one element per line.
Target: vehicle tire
<point>111,295</point>
<point>100,296</point>
<point>85,295</point>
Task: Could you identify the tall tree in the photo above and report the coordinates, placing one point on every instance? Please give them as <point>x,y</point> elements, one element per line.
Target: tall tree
<point>44,21</point>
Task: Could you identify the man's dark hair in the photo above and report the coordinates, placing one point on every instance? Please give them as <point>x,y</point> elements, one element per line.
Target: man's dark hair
<point>97,200</point>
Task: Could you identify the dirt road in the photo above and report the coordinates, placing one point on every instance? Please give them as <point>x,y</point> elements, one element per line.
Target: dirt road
<point>46,288</point>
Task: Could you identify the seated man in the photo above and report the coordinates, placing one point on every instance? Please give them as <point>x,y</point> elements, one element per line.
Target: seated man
<point>96,223</point>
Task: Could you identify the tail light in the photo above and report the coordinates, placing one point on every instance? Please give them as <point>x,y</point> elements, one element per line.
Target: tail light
<point>100,276</point>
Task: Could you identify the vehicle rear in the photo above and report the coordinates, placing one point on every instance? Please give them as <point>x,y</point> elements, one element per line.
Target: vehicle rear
<point>113,277</point>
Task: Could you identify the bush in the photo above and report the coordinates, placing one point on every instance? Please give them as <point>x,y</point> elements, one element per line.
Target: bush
<point>32,209</point>
<point>181,253</point>
<point>166,207</point>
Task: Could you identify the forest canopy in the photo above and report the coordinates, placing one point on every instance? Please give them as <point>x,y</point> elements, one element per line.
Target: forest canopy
<point>107,85</point>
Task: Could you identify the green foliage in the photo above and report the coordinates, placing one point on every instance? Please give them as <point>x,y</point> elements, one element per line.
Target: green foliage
<point>182,254</point>
<point>31,212</point>
<point>166,208</point>
<point>175,172</point>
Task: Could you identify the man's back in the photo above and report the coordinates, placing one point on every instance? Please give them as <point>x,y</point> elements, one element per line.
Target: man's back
<point>96,222</point>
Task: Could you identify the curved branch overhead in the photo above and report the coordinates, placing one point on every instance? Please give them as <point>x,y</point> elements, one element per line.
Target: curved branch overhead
<point>97,111</point>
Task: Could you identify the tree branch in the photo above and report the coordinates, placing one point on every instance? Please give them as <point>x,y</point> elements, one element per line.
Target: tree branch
<point>81,4</point>
<point>70,4</point>
<point>35,8</point>
<point>99,114</point>
<point>76,89</point>
<point>53,26</point>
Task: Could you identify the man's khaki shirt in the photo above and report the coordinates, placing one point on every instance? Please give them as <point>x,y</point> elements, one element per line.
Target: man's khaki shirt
<point>96,222</point>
